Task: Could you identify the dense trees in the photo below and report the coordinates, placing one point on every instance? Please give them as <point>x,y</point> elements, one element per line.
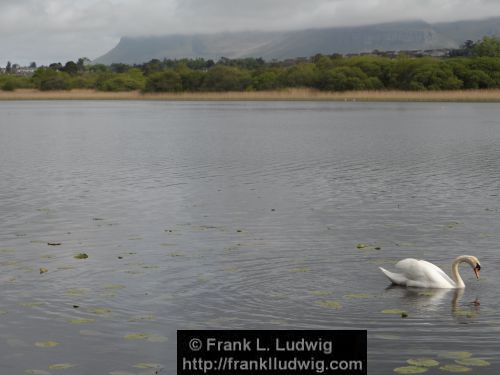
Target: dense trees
<point>226,78</point>
<point>46,79</point>
<point>476,65</point>
<point>167,81</point>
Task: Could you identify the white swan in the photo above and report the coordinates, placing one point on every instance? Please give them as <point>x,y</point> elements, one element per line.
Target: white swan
<point>422,274</point>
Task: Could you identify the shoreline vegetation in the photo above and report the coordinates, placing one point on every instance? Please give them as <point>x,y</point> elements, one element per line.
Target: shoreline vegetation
<point>481,96</point>
<point>471,73</point>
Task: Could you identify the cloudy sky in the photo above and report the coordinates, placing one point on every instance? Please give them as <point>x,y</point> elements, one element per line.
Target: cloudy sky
<point>46,31</point>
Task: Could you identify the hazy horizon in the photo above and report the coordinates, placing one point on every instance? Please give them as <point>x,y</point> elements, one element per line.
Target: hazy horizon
<point>62,30</point>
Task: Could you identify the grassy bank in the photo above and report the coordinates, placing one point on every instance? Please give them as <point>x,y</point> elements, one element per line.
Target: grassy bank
<point>285,95</point>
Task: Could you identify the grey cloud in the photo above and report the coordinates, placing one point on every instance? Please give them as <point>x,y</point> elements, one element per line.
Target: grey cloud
<point>49,30</point>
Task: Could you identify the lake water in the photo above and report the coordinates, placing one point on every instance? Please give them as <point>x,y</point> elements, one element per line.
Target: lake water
<point>242,215</point>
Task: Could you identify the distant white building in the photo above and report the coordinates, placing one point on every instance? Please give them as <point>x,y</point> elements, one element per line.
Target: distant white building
<point>24,71</point>
<point>19,70</point>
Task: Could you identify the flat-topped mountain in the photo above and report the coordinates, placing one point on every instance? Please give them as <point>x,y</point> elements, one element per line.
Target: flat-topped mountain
<point>411,35</point>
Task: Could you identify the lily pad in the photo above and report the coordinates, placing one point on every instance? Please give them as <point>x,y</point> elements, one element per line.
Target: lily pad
<point>473,362</point>
<point>360,246</point>
<point>151,337</point>
<point>423,362</point>
<point>394,311</point>
<point>300,269</point>
<point>81,256</point>
<point>61,366</point>
<point>330,304</point>
<point>150,266</point>
<point>100,311</point>
<point>455,355</point>
<point>32,304</point>
<point>114,286</point>
<point>46,344</point>
<point>76,291</point>
<point>81,321</point>
<point>455,368</point>
<point>410,370</point>
<point>136,336</point>
<point>320,293</point>
<point>148,365</point>
<point>388,337</point>
<point>7,251</point>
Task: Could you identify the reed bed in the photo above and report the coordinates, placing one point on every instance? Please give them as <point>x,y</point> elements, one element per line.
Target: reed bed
<point>280,95</point>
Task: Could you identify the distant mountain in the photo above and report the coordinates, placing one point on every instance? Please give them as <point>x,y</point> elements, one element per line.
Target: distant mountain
<point>412,35</point>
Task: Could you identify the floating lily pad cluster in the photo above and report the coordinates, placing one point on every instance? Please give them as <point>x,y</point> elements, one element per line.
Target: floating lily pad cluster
<point>331,304</point>
<point>81,256</point>
<point>364,246</point>
<point>83,315</point>
<point>151,337</point>
<point>46,344</point>
<point>335,304</point>
<point>61,366</point>
<point>463,362</point>
<point>79,321</point>
<point>143,365</point>
<point>320,293</point>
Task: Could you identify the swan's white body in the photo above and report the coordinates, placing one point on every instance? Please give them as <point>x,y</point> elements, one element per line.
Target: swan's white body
<point>422,274</point>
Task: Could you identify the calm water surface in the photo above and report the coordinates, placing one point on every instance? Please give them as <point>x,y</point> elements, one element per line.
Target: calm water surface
<point>242,216</point>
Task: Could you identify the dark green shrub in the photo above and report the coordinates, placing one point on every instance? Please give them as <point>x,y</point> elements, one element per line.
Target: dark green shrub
<point>8,86</point>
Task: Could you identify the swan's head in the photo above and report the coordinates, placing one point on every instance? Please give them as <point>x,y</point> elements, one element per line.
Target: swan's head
<point>477,269</point>
<point>474,263</point>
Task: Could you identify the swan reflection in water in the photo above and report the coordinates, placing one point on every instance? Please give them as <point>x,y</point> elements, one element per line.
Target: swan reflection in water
<point>433,300</point>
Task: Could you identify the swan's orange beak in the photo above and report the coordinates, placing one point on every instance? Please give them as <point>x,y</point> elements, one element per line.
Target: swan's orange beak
<point>477,270</point>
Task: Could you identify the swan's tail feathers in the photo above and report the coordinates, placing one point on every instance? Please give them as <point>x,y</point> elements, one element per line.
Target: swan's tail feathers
<point>396,278</point>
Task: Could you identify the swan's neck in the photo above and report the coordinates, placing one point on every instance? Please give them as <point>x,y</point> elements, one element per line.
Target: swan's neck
<point>455,274</point>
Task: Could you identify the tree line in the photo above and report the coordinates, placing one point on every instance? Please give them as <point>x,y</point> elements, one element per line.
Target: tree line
<point>476,65</point>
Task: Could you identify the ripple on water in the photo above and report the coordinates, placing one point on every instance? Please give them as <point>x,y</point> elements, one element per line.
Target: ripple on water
<point>242,215</point>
